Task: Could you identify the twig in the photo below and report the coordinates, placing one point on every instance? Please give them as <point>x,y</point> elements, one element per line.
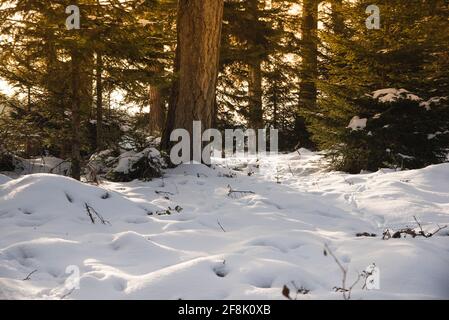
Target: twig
<point>221,226</point>
<point>67,294</point>
<point>345,291</point>
<point>91,212</point>
<point>164,193</point>
<point>58,165</point>
<point>439,229</point>
<point>419,225</point>
<point>28,277</point>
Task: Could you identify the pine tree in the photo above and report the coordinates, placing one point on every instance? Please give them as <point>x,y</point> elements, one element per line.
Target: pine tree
<point>358,61</point>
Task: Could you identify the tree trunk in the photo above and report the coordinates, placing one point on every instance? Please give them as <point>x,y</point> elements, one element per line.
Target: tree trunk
<point>27,138</point>
<point>99,102</point>
<point>255,95</point>
<point>309,55</point>
<point>156,110</point>
<point>275,107</point>
<point>255,114</point>
<point>87,68</point>
<point>76,108</point>
<point>199,31</point>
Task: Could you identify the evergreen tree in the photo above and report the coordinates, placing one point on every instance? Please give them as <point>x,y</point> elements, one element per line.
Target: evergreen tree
<point>358,61</point>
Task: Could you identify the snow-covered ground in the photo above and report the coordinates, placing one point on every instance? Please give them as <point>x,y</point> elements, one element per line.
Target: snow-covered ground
<point>221,245</point>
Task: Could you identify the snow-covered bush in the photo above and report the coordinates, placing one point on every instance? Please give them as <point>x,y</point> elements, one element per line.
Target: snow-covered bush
<point>131,165</point>
<point>394,128</point>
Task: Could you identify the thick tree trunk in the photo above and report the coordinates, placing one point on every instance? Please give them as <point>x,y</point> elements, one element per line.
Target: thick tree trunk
<point>309,55</point>
<point>76,108</point>
<point>99,102</point>
<point>199,31</point>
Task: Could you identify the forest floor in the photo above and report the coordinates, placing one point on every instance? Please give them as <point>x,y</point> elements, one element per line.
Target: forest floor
<point>189,235</point>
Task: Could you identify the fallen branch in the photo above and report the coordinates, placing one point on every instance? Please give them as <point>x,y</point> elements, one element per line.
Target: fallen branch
<point>232,191</point>
<point>165,194</point>
<point>365,234</point>
<point>166,212</point>
<point>389,234</point>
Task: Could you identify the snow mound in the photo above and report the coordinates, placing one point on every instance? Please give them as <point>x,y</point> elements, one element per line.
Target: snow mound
<point>61,202</point>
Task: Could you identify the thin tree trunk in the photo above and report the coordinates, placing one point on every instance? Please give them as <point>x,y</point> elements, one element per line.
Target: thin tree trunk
<point>27,139</point>
<point>87,68</point>
<point>76,108</point>
<point>309,55</point>
<point>275,107</point>
<point>255,96</point>
<point>171,113</point>
<point>156,110</point>
<point>255,119</point>
<point>199,31</point>
<point>99,102</point>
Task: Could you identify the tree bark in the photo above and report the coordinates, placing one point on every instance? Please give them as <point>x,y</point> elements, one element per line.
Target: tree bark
<point>255,114</point>
<point>27,139</point>
<point>99,102</point>
<point>157,118</point>
<point>309,55</point>
<point>199,32</point>
<point>255,95</point>
<point>76,108</point>
<point>87,69</point>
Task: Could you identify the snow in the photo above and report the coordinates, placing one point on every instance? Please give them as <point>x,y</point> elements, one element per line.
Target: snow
<point>144,22</point>
<point>130,158</point>
<point>392,94</point>
<point>357,124</point>
<point>434,100</point>
<point>247,246</point>
<point>4,179</point>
